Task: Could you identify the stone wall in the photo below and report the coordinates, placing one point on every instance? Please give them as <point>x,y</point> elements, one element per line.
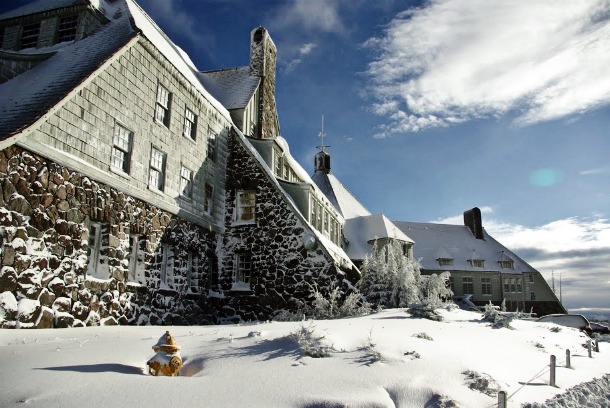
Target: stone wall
<point>46,211</point>
<point>284,272</point>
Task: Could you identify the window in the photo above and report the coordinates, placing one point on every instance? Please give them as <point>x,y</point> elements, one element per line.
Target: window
<point>121,149</point>
<point>486,286</point>
<point>477,263</point>
<point>186,182</point>
<point>93,250</point>
<point>66,30</point>
<point>246,203</point>
<point>211,144</point>
<point>532,296</point>
<point>208,199</point>
<point>244,269</point>
<point>507,264</point>
<point>213,268</point>
<point>157,169</point>
<point>2,37</point>
<point>164,98</point>
<point>531,278</point>
<point>136,257</point>
<point>192,271</point>
<point>29,35</point>
<point>518,283</point>
<point>513,288</point>
<point>277,162</point>
<point>167,263</point>
<point>326,223</point>
<point>506,285</point>
<point>445,262</point>
<point>190,124</point>
<point>467,285</point>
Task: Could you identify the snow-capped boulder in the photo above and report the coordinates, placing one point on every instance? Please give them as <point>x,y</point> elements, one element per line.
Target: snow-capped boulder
<point>63,320</point>
<point>93,319</point>
<point>8,278</point>
<point>46,297</point>
<point>109,321</point>
<point>26,310</point>
<point>44,320</point>
<point>80,311</point>
<point>57,285</point>
<point>62,304</point>
<point>8,306</point>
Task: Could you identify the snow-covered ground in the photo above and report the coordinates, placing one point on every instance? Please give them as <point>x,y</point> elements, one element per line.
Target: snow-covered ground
<point>382,360</point>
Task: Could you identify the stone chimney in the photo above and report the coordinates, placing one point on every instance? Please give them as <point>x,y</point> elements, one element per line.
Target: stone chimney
<point>472,219</point>
<point>263,57</point>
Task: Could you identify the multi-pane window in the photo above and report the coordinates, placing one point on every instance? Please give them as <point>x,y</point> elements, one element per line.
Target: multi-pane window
<point>277,160</point>
<point>518,283</point>
<point>506,285</point>
<point>93,249</point>
<point>136,257</point>
<point>208,198</point>
<point>121,149</point>
<point>532,295</point>
<point>156,177</point>
<point>192,271</point>
<point>190,124</point>
<point>486,286</point>
<point>513,287</point>
<point>506,264</point>
<point>246,203</point>
<point>531,278</point>
<point>164,98</point>
<point>66,30</point>
<point>29,35</point>
<point>243,273</point>
<point>211,144</point>
<point>186,182</point>
<point>326,223</point>
<point>467,285</point>
<point>477,263</point>
<point>446,262</point>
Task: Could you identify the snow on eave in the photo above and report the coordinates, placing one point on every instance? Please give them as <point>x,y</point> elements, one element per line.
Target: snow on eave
<point>335,252</point>
<point>350,206</point>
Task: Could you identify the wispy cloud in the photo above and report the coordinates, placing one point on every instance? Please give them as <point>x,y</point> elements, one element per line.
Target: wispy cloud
<point>457,60</point>
<point>577,249</point>
<point>320,15</point>
<point>303,51</point>
<point>595,171</point>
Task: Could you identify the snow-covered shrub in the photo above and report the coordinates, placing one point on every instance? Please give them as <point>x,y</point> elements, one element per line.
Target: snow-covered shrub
<point>310,343</point>
<point>481,382</point>
<point>372,354</point>
<point>424,336</point>
<point>435,288</point>
<point>427,310</point>
<point>498,318</point>
<point>390,279</point>
<point>336,304</point>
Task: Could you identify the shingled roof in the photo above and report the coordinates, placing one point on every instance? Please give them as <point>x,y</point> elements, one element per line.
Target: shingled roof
<point>232,87</point>
<point>41,6</point>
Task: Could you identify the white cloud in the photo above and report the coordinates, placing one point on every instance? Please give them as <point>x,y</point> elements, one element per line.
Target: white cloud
<point>171,13</point>
<point>456,60</point>
<point>303,51</point>
<point>320,15</point>
<point>577,249</point>
<point>595,171</point>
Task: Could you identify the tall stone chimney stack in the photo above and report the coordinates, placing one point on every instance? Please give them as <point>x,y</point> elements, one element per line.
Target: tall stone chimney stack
<point>263,57</point>
<point>472,219</point>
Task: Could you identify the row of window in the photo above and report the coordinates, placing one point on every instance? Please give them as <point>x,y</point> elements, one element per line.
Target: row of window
<point>476,263</point>
<point>163,105</point>
<point>282,167</point>
<point>30,33</point>
<point>323,221</point>
<point>98,269</point>
<point>511,285</point>
<point>121,160</point>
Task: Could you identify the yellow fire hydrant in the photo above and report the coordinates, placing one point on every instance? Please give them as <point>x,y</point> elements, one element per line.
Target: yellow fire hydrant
<point>167,361</point>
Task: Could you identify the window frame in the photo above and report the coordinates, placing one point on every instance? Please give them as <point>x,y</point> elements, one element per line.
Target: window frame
<point>67,33</point>
<point>445,261</point>
<point>242,277</point>
<point>211,140</point>
<point>163,104</point>
<point>160,172</point>
<point>31,37</point>
<point>467,283</point>
<point>208,200</point>
<point>124,151</point>
<point>94,242</point>
<point>190,124</point>
<point>486,286</point>
<point>186,182</point>
<point>246,200</point>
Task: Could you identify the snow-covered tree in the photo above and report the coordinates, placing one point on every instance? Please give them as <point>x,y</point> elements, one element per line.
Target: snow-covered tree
<point>435,287</point>
<point>390,279</point>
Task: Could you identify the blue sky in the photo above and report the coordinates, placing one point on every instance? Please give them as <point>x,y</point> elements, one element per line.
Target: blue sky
<point>434,107</point>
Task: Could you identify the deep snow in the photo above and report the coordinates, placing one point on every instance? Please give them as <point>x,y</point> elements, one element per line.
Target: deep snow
<point>385,359</point>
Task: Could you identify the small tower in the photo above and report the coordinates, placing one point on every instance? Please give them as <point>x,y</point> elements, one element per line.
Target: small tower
<point>322,160</point>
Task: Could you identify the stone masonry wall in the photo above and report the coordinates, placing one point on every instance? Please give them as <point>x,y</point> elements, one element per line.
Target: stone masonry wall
<point>284,272</point>
<point>46,211</point>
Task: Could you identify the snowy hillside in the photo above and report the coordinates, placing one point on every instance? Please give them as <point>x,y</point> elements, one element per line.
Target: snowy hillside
<point>382,360</point>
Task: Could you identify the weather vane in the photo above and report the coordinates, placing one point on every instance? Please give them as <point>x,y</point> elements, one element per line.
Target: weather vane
<point>322,135</point>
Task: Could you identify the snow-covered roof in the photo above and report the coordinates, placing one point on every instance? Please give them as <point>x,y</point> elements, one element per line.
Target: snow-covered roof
<point>33,93</point>
<point>434,241</point>
<point>360,231</point>
<point>233,87</point>
<point>339,195</point>
<point>41,6</point>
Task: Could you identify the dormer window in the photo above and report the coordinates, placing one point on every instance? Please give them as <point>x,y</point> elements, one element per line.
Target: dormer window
<point>66,30</point>
<point>477,263</point>
<point>445,261</point>
<point>29,35</point>
<point>506,264</point>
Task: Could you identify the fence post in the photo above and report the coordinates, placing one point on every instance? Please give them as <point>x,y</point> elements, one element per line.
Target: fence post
<point>568,362</point>
<point>589,348</point>
<point>502,399</point>
<point>552,366</point>
<point>597,345</point>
